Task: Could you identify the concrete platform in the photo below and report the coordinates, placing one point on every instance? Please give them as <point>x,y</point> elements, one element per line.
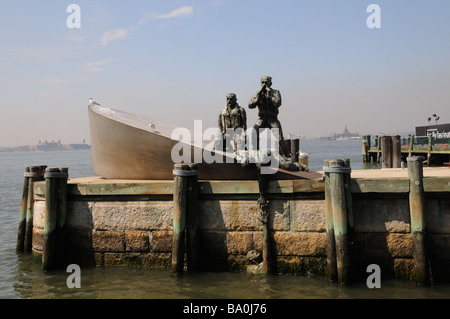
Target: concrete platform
<point>398,172</point>
<point>130,222</point>
<point>385,173</point>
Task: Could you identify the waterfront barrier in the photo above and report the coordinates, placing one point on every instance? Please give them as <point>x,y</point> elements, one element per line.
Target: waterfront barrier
<point>185,218</point>
<point>335,226</point>
<point>339,218</point>
<point>392,150</point>
<point>418,221</point>
<point>24,235</point>
<point>340,222</point>
<point>54,217</point>
<point>54,213</point>
<point>391,155</point>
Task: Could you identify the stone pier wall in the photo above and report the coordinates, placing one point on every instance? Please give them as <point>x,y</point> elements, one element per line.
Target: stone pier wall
<point>115,224</point>
<point>139,233</point>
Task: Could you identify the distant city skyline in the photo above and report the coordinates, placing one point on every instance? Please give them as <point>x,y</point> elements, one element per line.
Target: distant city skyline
<point>335,63</point>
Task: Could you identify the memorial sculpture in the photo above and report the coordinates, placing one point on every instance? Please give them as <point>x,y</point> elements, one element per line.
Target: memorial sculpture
<point>130,146</point>
<point>232,120</point>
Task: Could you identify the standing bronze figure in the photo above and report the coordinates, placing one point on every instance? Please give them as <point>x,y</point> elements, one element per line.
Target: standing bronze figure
<point>268,101</point>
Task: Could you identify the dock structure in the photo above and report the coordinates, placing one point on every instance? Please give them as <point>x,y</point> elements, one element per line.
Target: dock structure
<point>434,151</point>
<point>374,219</point>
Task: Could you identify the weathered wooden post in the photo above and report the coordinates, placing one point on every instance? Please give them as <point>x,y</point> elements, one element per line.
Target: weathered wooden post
<point>348,197</point>
<point>411,145</point>
<point>23,214</point>
<point>53,206</point>
<point>35,174</point>
<point>181,172</point>
<point>337,168</point>
<point>295,149</point>
<point>418,220</point>
<point>349,211</point>
<point>386,152</point>
<point>378,139</point>
<point>192,220</point>
<point>61,214</point>
<point>366,148</point>
<point>331,247</point>
<point>396,151</point>
<point>285,147</point>
<point>429,148</point>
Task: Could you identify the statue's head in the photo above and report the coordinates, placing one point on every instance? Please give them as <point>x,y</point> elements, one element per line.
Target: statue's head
<point>231,99</point>
<point>266,81</point>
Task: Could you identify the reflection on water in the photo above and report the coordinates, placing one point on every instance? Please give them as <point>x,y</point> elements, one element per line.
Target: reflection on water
<point>135,283</point>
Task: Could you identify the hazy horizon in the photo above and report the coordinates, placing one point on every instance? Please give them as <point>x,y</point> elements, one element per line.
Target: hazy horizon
<point>177,60</point>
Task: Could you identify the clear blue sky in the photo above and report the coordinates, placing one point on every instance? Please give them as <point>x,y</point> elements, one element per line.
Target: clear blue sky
<point>177,60</point>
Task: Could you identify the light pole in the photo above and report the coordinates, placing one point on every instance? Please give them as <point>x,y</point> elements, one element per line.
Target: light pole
<point>436,118</point>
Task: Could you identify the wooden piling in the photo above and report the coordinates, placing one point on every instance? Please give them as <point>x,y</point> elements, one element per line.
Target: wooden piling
<point>378,141</point>
<point>331,247</point>
<point>349,211</point>
<point>285,148</point>
<point>23,214</point>
<point>53,207</point>
<point>366,148</point>
<point>337,195</point>
<point>192,236</point>
<point>61,214</point>
<point>386,152</point>
<point>340,221</point>
<point>411,145</point>
<point>429,148</point>
<point>181,175</point>
<point>35,173</point>
<point>295,149</point>
<point>396,151</point>
<point>348,197</point>
<point>418,223</point>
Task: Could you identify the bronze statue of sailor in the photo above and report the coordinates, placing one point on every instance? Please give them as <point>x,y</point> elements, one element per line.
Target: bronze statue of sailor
<point>232,124</point>
<point>268,101</point>
<point>232,116</point>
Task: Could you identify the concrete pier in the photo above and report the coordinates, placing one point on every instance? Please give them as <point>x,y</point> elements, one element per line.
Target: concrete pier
<point>130,223</point>
<point>392,150</point>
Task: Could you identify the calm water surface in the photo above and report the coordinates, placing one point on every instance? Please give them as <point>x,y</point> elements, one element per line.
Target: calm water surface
<point>21,278</point>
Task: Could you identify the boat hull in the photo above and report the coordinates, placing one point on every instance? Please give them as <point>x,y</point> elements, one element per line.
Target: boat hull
<point>123,146</point>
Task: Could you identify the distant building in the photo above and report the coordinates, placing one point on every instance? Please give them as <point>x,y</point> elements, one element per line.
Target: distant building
<point>346,135</point>
<point>437,131</point>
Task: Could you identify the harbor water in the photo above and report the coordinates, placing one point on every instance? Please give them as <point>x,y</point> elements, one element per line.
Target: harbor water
<point>21,278</point>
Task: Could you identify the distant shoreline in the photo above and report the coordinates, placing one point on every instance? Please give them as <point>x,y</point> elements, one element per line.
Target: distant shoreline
<point>45,147</point>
